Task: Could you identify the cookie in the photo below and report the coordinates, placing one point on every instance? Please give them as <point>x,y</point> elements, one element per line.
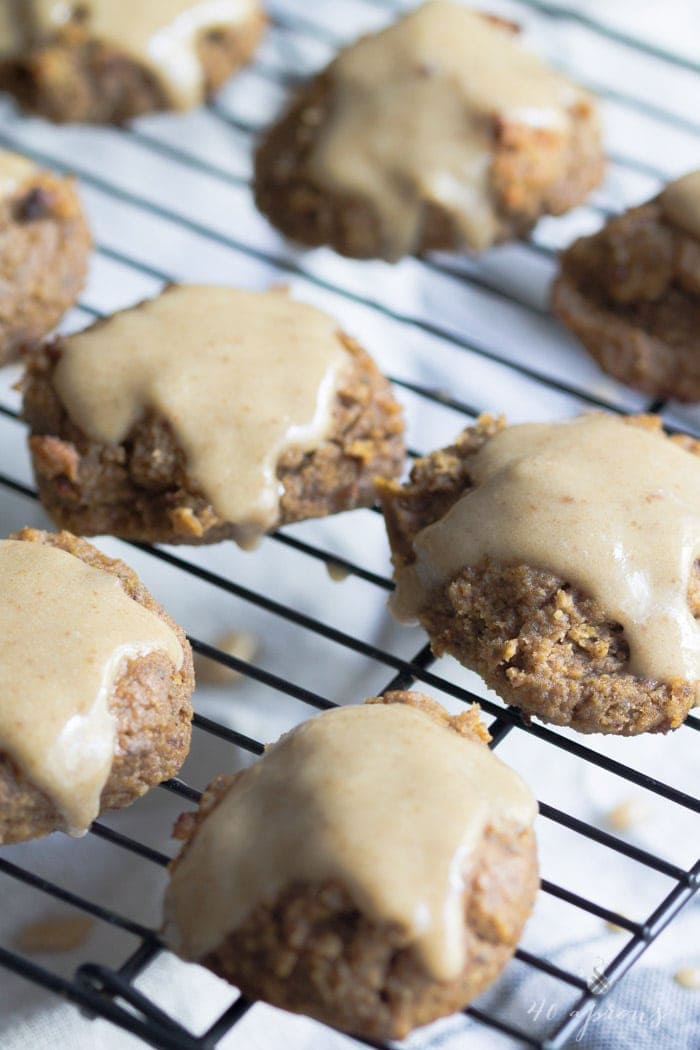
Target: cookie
<point>96,685</point>
<point>205,414</point>
<point>374,869</point>
<point>44,250</point>
<point>103,62</point>
<point>560,563</point>
<point>631,293</point>
<point>440,132</point>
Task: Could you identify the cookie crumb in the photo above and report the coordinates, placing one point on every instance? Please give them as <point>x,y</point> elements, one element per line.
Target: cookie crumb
<point>336,571</point>
<point>627,815</point>
<point>234,643</point>
<point>54,934</point>
<point>689,977</point>
<point>613,927</point>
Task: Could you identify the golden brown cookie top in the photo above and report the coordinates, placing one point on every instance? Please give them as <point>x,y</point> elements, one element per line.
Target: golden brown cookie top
<point>413,117</point>
<point>67,630</point>
<point>239,376</point>
<point>613,509</point>
<point>161,35</point>
<point>386,799</point>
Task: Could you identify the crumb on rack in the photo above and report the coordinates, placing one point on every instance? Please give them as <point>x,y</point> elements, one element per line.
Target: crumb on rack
<point>627,815</point>
<point>57,934</point>
<point>336,571</point>
<point>613,927</point>
<point>241,644</point>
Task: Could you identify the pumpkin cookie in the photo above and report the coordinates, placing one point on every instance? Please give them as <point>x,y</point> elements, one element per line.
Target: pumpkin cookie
<point>438,132</point>
<point>205,414</point>
<point>96,684</point>
<point>44,250</point>
<point>98,61</point>
<point>560,562</point>
<point>374,869</point>
<point>631,293</point>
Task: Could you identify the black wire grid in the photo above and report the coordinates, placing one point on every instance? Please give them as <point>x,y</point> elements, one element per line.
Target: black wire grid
<point>111,993</point>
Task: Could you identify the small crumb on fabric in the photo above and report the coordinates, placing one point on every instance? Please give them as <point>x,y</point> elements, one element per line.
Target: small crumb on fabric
<point>234,643</point>
<point>54,935</point>
<point>689,977</point>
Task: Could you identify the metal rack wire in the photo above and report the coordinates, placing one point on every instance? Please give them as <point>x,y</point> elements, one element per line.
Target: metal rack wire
<point>110,992</point>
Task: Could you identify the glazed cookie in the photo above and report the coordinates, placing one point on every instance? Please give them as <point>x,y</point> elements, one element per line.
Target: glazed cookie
<point>44,250</point>
<point>95,680</point>
<point>439,132</point>
<point>208,413</point>
<point>560,562</point>
<point>374,869</point>
<point>99,61</point>
<point>631,293</point>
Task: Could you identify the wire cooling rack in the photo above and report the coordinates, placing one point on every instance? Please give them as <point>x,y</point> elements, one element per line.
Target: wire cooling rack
<point>178,187</point>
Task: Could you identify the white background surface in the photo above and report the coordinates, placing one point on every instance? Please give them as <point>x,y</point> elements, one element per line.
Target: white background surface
<point>135,194</point>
